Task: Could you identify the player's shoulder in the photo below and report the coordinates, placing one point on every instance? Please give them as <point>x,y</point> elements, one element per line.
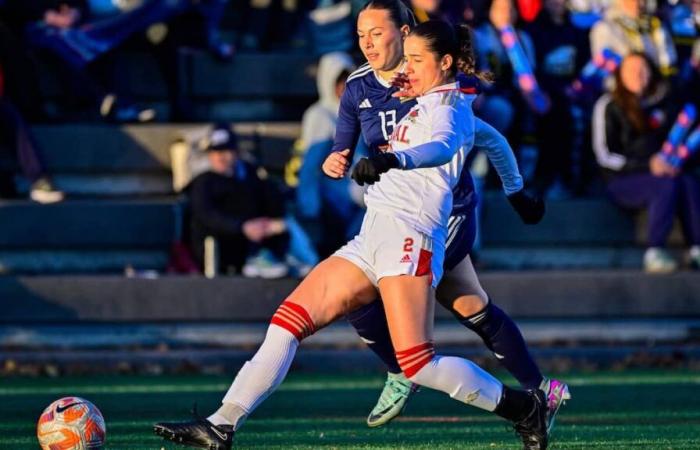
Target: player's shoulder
<point>359,74</point>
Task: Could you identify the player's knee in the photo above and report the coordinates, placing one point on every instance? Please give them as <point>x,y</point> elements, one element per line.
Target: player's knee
<point>414,359</point>
<point>467,305</point>
<point>295,319</point>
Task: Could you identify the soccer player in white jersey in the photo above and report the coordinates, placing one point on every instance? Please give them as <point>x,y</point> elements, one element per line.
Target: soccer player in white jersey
<point>399,253</point>
<point>370,106</point>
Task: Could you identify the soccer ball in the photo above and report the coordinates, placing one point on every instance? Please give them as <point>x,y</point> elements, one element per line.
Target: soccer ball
<point>71,423</point>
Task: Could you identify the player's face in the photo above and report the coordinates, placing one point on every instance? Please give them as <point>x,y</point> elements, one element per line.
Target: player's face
<point>635,74</point>
<point>424,69</point>
<point>379,39</point>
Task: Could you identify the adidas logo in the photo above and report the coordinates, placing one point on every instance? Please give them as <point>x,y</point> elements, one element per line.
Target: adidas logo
<point>406,258</point>
<point>365,104</point>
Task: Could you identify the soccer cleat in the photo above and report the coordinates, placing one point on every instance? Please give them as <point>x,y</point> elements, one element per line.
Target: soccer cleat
<point>199,433</point>
<point>533,428</point>
<point>392,401</point>
<point>556,394</point>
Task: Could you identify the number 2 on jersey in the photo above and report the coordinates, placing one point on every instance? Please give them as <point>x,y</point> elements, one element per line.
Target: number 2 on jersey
<point>388,119</point>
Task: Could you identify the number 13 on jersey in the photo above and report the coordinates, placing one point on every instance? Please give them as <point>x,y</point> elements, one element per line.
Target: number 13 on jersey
<point>388,119</point>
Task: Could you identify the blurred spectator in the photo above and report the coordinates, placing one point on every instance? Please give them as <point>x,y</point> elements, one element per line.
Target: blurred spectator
<point>628,28</point>
<point>323,204</point>
<point>241,211</point>
<point>561,51</point>
<point>332,27</point>
<point>266,23</point>
<point>501,100</point>
<point>627,140</point>
<point>78,34</point>
<point>21,152</point>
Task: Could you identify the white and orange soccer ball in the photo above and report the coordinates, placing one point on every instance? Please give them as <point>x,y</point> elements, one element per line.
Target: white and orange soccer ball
<point>71,423</point>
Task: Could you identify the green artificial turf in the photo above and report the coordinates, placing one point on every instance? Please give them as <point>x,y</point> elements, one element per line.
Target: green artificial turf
<point>640,410</point>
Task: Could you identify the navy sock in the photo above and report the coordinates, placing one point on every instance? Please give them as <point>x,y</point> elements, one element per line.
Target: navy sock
<point>502,336</point>
<point>370,323</point>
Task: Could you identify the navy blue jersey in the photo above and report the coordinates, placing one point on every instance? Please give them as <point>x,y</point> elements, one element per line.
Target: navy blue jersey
<point>367,108</point>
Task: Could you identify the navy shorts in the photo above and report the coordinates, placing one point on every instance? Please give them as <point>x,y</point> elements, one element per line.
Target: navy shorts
<point>461,233</point>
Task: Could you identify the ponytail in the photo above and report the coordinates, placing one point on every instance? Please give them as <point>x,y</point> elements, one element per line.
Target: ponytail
<point>442,39</point>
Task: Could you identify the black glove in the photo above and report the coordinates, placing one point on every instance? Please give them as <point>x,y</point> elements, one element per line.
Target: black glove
<point>368,170</point>
<point>529,208</point>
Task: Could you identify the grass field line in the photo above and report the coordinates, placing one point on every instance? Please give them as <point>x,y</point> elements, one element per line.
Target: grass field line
<point>294,385</point>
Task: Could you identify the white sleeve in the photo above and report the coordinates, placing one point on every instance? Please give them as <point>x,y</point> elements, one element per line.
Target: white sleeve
<point>499,152</point>
<point>445,140</point>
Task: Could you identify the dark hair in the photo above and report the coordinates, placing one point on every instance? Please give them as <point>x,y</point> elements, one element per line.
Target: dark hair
<point>630,103</point>
<point>399,13</point>
<point>444,39</point>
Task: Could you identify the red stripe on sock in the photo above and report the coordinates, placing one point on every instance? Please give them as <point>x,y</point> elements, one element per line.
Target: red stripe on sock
<point>304,315</point>
<point>414,369</point>
<point>413,350</point>
<point>415,358</point>
<point>295,319</point>
<point>287,326</point>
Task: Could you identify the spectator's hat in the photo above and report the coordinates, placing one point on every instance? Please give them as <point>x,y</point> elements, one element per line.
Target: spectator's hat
<point>221,138</point>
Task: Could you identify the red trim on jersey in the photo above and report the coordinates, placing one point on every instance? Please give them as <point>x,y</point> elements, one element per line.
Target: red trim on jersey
<point>415,358</point>
<point>424,263</point>
<point>295,319</point>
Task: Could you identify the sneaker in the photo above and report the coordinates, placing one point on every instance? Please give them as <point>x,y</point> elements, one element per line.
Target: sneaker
<point>42,191</point>
<point>392,401</point>
<point>199,433</point>
<point>533,428</point>
<point>658,260</point>
<point>694,257</point>
<point>556,393</point>
<point>265,265</point>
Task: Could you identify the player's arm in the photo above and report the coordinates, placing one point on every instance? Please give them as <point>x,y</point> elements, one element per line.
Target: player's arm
<point>347,132</point>
<point>499,152</point>
<point>445,141</point>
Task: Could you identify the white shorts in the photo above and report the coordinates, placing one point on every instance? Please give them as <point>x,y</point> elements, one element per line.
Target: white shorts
<point>386,246</point>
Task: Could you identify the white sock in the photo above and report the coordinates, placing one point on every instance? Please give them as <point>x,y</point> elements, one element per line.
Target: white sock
<point>462,380</point>
<point>260,376</point>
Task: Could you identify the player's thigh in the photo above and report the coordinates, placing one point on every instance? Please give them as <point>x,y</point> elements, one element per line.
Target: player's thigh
<point>333,288</point>
<point>460,290</point>
<point>410,307</point>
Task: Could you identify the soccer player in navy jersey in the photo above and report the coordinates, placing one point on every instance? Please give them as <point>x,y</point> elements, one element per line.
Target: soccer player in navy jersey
<point>371,107</point>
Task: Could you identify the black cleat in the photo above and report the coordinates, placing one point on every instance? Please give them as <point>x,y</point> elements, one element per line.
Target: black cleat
<point>533,428</point>
<point>198,433</point>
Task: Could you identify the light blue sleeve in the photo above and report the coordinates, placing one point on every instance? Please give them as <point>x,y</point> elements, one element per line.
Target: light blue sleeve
<point>496,146</point>
<point>445,141</point>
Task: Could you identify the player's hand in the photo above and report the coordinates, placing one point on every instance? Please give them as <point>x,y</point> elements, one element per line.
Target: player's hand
<point>337,164</point>
<point>400,80</point>
<point>529,208</point>
<point>368,170</point>
<point>256,229</point>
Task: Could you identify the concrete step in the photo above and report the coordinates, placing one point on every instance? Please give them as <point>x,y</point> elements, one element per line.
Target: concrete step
<point>81,262</point>
<point>542,294</point>
<point>90,224</point>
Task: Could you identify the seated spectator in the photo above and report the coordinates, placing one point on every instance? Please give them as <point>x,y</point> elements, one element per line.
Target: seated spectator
<point>627,28</point>
<point>323,204</point>
<point>627,144</point>
<point>561,51</point>
<point>21,152</point>
<point>241,211</point>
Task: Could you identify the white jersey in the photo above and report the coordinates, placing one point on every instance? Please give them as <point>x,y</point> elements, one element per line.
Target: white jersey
<point>422,197</point>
